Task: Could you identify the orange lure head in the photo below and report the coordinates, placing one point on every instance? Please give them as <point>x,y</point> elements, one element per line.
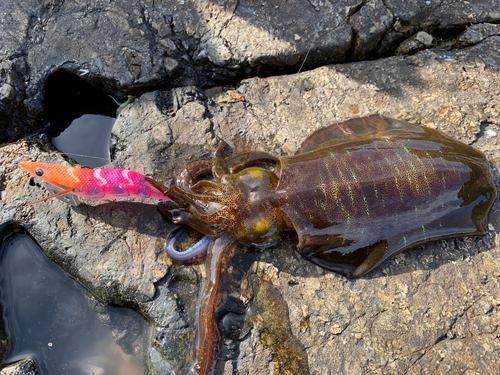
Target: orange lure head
<point>55,175</point>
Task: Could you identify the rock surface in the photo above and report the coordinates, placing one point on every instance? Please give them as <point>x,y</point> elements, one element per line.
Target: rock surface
<point>433,309</point>
<point>25,367</point>
<point>132,46</point>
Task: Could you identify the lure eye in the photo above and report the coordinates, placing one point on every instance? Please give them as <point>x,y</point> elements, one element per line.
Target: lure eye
<point>39,172</point>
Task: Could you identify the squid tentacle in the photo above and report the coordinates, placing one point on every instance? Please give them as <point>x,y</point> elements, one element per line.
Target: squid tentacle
<point>209,339</point>
<point>193,199</point>
<point>208,186</point>
<point>219,166</point>
<point>196,252</point>
<point>192,172</point>
<point>235,163</point>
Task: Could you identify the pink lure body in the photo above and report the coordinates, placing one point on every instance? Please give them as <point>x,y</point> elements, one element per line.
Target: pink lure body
<point>93,183</point>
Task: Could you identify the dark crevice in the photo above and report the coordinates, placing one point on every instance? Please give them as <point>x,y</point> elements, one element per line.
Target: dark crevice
<point>482,130</point>
<point>440,338</point>
<point>355,10</point>
<point>68,96</point>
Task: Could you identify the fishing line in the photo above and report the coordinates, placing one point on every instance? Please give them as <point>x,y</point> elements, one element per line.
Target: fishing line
<point>315,40</point>
<point>72,154</point>
<point>168,159</point>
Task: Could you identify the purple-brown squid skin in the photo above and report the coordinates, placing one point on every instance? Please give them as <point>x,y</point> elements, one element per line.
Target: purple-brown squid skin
<point>355,194</point>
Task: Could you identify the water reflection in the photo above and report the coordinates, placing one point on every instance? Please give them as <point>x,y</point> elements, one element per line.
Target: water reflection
<point>87,140</point>
<point>48,316</point>
<point>81,117</point>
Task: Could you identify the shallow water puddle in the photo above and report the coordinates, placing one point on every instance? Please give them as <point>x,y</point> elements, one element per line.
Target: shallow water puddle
<point>51,318</point>
<point>87,140</point>
<point>81,118</point>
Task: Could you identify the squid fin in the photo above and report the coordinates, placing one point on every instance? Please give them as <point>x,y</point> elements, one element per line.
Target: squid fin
<point>64,192</point>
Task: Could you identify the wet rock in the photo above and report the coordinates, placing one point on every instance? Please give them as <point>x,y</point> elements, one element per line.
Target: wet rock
<point>44,321</point>
<point>433,302</point>
<point>25,367</point>
<point>270,317</point>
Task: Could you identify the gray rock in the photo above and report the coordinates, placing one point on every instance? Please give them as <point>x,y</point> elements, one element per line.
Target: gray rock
<point>127,47</point>
<point>424,38</point>
<point>370,24</point>
<point>418,42</point>
<point>421,310</point>
<point>430,309</point>
<point>7,93</point>
<point>476,34</point>
<point>171,66</point>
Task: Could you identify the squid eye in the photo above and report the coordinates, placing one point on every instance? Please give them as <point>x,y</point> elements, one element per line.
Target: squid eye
<point>39,172</point>
<point>176,214</point>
